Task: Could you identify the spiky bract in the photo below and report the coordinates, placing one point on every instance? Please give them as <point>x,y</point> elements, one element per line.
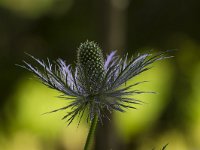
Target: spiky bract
<point>92,84</point>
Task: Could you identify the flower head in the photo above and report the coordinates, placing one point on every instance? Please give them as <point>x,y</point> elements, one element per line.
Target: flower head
<point>94,85</point>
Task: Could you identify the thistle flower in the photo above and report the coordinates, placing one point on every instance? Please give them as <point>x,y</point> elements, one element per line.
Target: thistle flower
<point>94,85</point>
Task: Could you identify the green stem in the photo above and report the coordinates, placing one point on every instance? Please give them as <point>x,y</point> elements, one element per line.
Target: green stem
<point>90,137</point>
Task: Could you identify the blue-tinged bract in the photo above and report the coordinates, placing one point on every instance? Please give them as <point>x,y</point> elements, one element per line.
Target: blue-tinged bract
<point>94,85</point>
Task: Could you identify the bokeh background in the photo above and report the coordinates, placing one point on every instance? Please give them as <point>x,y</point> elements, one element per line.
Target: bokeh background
<point>55,28</point>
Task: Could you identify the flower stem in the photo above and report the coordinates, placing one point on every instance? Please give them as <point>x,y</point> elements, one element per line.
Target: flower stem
<point>90,137</point>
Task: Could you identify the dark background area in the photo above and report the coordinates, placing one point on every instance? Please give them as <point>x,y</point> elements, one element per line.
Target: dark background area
<point>55,28</point>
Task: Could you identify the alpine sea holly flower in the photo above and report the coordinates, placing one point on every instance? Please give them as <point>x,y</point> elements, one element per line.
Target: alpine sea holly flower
<point>94,85</point>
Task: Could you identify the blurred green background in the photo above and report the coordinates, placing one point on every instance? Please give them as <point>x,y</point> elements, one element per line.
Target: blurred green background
<point>55,28</point>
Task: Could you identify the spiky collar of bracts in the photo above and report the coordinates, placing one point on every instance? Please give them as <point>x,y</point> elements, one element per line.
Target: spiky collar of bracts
<point>94,85</point>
